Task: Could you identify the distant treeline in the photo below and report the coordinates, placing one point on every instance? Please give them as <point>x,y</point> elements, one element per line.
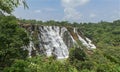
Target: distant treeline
<point>63,23</point>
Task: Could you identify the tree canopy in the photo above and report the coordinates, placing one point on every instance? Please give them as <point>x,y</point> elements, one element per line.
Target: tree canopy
<point>8,6</point>
<point>12,38</point>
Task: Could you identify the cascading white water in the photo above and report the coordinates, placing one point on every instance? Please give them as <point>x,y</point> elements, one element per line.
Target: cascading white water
<point>56,41</point>
<point>87,43</point>
<point>52,42</point>
<point>92,46</point>
<point>31,48</point>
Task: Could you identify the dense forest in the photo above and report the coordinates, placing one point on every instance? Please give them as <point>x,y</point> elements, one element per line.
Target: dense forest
<point>105,35</point>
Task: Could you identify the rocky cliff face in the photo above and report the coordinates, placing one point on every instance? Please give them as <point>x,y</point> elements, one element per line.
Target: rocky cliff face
<point>55,41</point>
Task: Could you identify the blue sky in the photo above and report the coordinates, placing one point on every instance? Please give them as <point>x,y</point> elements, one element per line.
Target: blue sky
<point>70,10</point>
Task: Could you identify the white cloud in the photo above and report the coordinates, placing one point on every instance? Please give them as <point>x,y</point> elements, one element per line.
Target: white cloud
<point>44,10</point>
<point>73,3</point>
<point>49,9</point>
<point>92,15</point>
<point>72,14</point>
<point>37,11</point>
<point>70,8</point>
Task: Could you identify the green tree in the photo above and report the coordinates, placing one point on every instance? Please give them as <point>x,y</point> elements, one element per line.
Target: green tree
<point>12,38</point>
<point>9,5</point>
<point>40,64</point>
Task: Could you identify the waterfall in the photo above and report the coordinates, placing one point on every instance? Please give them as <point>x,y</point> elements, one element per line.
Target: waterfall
<point>92,46</point>
<point>86,42</point>
<point>52,42</point>
<point>56,41</point>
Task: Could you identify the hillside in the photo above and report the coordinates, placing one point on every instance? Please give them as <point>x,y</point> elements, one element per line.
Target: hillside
<point>16,33</point>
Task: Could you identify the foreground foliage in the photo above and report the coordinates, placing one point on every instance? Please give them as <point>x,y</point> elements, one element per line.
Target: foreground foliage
<point>8,6</point>
<point>40,64</point>
<point>12,37</point>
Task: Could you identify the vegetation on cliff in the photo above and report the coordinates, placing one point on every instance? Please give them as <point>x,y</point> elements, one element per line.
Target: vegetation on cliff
<point>105,35</point>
